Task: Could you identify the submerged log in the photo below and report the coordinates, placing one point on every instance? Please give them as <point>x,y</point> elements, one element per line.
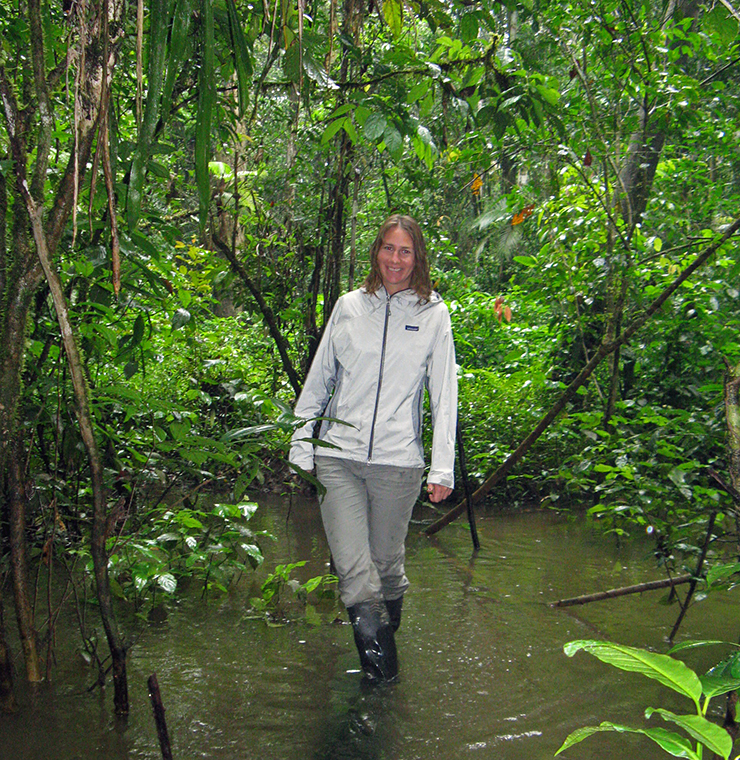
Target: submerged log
<point>623,591</point>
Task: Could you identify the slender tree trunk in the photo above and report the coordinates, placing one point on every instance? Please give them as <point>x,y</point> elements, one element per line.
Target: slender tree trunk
<point>632,191</point>
<point>20,279</point>
<point>732,415</point>
<point>19,565</point>
<point>7,697</point>
<point>87,432</point>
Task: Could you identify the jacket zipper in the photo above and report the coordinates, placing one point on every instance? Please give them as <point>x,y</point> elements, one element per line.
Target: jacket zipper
<point>380,378</point>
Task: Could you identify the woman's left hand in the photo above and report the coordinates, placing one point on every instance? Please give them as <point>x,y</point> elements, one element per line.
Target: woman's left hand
<point>437,492</point>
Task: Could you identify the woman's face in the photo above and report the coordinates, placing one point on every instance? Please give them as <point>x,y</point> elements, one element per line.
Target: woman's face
<point>396,260</point>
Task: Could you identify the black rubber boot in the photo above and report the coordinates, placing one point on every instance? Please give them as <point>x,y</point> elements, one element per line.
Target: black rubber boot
<point>374,639</point>
<point>394,612</point>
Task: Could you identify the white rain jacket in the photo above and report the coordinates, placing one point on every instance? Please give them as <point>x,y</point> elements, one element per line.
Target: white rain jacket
<point>377,355</point>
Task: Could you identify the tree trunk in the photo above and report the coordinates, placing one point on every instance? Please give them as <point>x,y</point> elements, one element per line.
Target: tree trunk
<point>19,564</point>
<point>732,415</point>
<point>20,280</point>
<point>7,698</point>
<point>634,184</point>
<point>87,432</point>
<point>94,57</point>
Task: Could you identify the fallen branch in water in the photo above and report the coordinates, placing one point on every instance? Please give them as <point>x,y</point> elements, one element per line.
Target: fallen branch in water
<point>612,593</point>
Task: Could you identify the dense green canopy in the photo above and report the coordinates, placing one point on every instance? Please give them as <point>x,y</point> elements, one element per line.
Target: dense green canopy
<point>187,186</point>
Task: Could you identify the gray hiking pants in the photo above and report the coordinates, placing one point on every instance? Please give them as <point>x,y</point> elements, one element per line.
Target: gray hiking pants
<point>366,511</point>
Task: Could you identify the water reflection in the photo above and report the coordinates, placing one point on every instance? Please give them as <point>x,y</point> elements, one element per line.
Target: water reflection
<point>363,724</point>
<point>483,674</point>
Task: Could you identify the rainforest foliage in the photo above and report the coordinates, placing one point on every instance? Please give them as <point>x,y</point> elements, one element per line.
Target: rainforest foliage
<point>187,186</point>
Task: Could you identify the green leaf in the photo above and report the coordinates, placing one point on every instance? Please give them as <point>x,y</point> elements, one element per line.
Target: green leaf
<point>332,130</point>
<point>375,126</point>
<point>138,329</point>
<point>721,24</point>
<point>674,744</point>
<point>254,555</point>
<point>158,26</point>
<point>550,96</point>
<point>179,39</point>
<point>242,59</point>
<point>180,318</point>
<point>709,734</point>
<point>660,667</point>
<point>526,261</point>
<point>469,27</point>
<point>247,509</point>
<point>349,128</point>
<point>206,105</point>
<point>167,582</point>
<point>393,13</point>
<point>715,686</point>
<point>722,572</point>
<point>393,141</point>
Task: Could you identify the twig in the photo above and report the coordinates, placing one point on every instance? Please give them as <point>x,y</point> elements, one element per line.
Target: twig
<point>623,591</point>
<point>697,575</point>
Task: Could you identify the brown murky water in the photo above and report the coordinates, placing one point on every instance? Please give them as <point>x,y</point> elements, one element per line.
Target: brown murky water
<point>483,671</point>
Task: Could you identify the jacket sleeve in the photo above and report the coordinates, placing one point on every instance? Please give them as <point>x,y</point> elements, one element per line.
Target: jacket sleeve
<point>314,397</point>
<point>442,386</point>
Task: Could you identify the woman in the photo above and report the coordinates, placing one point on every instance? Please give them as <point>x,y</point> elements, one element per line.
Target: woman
<point>383,345</point>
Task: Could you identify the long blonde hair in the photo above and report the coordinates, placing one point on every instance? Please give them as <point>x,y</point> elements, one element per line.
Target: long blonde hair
<point>421,282</point>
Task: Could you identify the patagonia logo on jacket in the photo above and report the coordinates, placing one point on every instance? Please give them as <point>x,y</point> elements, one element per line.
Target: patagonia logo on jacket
<point>412,328</point>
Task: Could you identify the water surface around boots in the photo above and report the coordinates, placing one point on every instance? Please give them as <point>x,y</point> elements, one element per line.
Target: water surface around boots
<point>482,670</point>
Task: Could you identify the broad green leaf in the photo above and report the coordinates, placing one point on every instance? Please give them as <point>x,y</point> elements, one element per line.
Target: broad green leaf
<point>709,734</point>
<point>345,108</point>
<point>418,91</point>
<point>167,582</point>
<point>375,126</point>
<point>660,667</point>
<point>722,572</point>
<point>253,553</point>
<point>349,128</point>
<point>292,62</point>
<point>393,141</point>
<point>317,73</point>
<point>526,261</point>
<point>674,744</point>
<point>247,509</point>
<point>469,27</point>
<point>180,318</point>
<point>332,130</point>
<point>393,13</point>
<point>684,645</point>
<point>550,96</point>
<point>728,668</point>
<point>714,686</point>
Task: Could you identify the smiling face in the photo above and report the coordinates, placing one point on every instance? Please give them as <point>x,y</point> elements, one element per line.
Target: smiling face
<point>396,260</point>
